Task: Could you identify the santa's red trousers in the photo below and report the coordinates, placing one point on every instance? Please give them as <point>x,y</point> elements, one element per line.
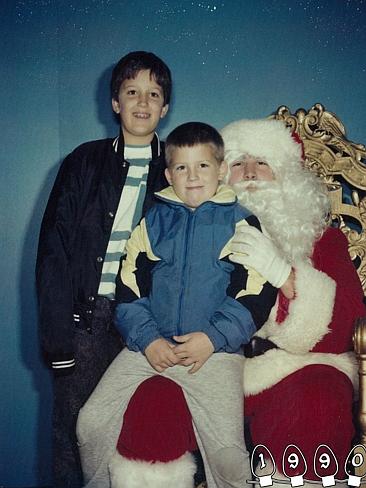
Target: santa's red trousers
<point>157,424</point>
<point>310,407</point>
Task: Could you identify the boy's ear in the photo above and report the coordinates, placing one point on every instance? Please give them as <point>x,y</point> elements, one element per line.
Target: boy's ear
<point>168,176</point>
<point>164,111</point>
<point>115,106</point>
<point>223,170</point>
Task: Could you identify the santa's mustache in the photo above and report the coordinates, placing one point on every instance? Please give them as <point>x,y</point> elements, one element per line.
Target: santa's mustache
<point>260,196</point>
<point>247,185</point>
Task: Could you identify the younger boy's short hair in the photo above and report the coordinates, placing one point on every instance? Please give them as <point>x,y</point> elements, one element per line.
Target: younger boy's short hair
<point>191,134</point>
<point>128,67</point>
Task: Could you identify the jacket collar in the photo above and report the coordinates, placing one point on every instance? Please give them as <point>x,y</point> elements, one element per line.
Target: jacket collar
<point>119,146</point>
<point>225,195</point>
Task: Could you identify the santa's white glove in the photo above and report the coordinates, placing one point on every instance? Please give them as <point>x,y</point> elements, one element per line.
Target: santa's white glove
<point>253,249</point>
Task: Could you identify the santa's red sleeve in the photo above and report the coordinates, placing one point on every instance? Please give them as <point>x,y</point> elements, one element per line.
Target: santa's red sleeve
<point>317,325</point>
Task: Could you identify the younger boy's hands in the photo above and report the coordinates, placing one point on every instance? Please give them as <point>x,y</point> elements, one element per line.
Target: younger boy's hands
<point>194,348</point>
<point>160,354</point>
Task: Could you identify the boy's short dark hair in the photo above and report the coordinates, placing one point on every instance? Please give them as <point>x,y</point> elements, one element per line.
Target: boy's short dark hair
<point>128,67</point>
<point>192,133</point>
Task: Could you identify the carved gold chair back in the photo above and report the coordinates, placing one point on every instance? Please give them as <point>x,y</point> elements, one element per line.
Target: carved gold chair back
<point>342,165</point>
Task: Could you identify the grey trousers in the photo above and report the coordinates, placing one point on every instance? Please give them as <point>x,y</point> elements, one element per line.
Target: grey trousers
<point>214,396</point>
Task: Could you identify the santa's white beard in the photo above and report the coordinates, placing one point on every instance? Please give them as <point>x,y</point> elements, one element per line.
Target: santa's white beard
<point>282,220</point>
<point>257,196</point>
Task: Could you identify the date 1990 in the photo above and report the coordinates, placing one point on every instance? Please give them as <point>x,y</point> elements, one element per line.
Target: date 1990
<point>294,466</point>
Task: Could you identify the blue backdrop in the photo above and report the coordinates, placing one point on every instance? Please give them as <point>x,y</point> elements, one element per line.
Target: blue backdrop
<point>229,59</point>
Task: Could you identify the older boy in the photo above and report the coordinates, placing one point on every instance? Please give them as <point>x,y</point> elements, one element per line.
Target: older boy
<point>101,191</point>
<point>183,301</point>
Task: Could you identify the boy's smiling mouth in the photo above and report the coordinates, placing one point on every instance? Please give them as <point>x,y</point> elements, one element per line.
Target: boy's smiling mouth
<point>141,115</point>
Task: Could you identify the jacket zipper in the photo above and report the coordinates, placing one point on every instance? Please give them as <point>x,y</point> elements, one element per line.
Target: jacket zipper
<point>184,271</point>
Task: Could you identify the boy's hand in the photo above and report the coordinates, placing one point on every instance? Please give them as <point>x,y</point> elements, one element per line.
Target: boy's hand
<point>195,348</point>
<point>160,354</point>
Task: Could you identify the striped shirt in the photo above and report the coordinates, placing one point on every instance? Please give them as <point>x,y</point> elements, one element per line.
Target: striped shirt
<point>127,216</point>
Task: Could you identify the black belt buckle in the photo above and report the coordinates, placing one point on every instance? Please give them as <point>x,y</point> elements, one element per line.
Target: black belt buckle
<point>258,346</point>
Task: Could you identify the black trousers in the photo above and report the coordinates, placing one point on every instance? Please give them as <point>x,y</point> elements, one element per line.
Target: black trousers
<point>94,351</point>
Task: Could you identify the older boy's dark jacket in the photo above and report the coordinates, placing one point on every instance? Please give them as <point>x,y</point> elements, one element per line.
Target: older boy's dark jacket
<point>74,236</point>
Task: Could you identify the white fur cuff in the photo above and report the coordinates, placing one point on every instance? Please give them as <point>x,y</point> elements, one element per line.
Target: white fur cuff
<point>309,314</point>
<point>262,372</point>
<point>130,473</point>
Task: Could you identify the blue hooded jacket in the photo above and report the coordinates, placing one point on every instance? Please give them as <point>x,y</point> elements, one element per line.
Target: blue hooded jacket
<point>176,277</point>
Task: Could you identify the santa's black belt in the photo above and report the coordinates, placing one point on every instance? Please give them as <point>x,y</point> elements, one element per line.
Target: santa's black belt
<point>258,346</point>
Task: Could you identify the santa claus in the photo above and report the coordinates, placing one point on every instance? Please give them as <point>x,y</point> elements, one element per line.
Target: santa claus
<point>300,379</point>
<point>299,385</point>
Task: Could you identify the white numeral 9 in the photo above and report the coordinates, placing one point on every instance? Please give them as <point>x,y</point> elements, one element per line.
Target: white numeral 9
<point>324,460</point>
<point>293,460</point>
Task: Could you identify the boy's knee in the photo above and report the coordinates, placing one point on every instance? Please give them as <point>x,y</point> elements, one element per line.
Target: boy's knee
<point>230,465</point>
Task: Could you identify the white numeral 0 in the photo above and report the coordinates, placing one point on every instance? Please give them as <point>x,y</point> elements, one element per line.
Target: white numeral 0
<point>357,460</point>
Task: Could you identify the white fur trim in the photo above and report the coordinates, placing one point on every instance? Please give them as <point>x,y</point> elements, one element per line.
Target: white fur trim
<point>129,473</point>
<point>309,315</point>
<point>264,371</point>
<point>263,138</point>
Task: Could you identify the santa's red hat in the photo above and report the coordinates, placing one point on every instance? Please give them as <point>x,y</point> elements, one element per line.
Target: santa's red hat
<point>156,439</point>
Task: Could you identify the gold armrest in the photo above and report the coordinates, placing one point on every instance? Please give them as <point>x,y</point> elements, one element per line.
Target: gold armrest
<point>359,343</point>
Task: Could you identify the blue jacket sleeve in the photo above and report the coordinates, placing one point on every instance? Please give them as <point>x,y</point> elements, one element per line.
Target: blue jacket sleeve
<point>247,306</point>
<point>136,324</point>
<point>231,326</point>
<point>133,317</point>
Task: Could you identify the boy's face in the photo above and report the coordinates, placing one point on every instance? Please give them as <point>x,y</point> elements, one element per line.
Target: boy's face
<point>140,106</point>
<point>194,173</point>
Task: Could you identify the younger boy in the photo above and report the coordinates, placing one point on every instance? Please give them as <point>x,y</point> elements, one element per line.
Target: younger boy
<point>181,302</point>
<point>102,189</point>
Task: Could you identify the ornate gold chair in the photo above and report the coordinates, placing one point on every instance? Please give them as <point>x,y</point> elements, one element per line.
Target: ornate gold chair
<point>342,165</point>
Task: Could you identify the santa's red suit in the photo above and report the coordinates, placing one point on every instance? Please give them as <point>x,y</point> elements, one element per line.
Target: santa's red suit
<point>302,392</point>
